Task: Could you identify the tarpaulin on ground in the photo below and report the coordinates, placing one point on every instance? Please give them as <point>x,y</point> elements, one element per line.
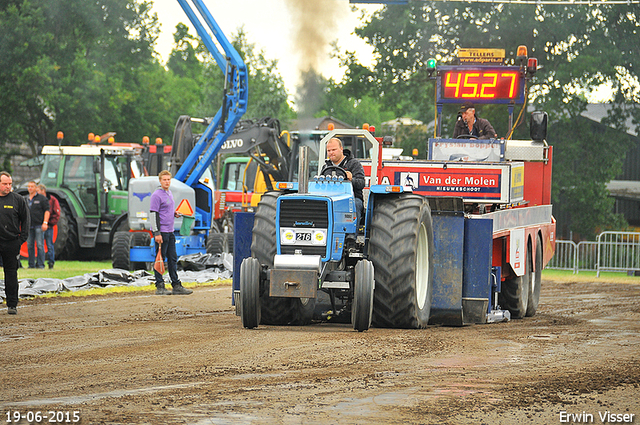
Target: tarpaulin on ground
<point>199,268</point>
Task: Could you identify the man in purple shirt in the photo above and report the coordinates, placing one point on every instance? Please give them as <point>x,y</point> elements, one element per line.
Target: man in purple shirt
<point>163,212</point>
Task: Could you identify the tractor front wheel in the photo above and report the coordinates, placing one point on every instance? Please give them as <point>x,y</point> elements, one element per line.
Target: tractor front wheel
<point>363,288</point>
<point>250,292</point>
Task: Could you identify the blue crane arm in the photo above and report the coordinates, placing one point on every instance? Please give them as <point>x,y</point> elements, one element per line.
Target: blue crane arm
<point>236,94</point>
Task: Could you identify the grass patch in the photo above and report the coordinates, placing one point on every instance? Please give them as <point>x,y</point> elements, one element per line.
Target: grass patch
<point>63,269</point>
<point>588,276</point>
<point>66,269</point>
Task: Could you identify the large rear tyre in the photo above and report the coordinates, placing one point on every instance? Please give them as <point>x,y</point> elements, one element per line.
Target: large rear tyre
<point>401,249</point>
<point>363,288</point>
<point>66,244</point>
<point>274,310</point>
<point>217,243</point>
<point>250,292</point>
<point>303,309</point>
<point>515,293</point>
<point>535,280</point>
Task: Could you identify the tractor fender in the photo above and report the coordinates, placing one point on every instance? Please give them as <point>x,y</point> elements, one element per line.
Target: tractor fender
<point>121,223</point>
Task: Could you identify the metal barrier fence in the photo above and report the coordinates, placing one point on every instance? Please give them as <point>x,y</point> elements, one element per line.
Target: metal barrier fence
<point>564,257</point>
<point>612,251</point>
<point>618,251</point>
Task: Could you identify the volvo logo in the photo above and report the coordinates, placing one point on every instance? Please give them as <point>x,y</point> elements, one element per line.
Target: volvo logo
<point>233,143</point>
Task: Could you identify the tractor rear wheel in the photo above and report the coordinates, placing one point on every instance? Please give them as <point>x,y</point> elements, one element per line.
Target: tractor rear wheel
<point>401,249</point>
<point>217,243</point>
<point>363,288</point>
<point>274,310</point>
<point>250,292</point>
<point>535,280</point>
<point>66,244</point>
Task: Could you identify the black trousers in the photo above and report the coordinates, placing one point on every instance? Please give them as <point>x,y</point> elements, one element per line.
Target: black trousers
<point>168,252</point>
<point>10,251</point>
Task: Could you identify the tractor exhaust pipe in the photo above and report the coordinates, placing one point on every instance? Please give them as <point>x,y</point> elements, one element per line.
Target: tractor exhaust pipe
<point>303,169</point>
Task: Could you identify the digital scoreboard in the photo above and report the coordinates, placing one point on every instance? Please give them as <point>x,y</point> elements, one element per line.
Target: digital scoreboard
<point>480,84</point>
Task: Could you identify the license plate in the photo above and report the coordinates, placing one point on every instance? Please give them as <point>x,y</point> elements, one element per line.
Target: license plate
<point>303,236</point>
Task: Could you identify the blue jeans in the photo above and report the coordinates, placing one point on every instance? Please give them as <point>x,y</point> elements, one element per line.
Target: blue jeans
<point>168,252</point>
<point>48,239</point>
<point>36,235</point>
<point>359,211</point>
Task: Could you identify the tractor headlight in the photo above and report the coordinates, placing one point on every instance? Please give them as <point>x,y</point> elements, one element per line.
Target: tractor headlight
<point>319,237</point>
<point>287,236</point>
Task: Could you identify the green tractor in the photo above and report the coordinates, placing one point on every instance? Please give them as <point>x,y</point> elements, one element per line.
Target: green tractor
<point>91,183</point>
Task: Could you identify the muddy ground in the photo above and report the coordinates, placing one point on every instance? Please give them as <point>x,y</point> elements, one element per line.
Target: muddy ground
<point>138,358</point>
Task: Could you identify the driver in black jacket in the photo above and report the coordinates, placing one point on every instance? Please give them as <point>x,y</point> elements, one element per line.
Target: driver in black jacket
<point>471,126</point>
<point>340,157</point>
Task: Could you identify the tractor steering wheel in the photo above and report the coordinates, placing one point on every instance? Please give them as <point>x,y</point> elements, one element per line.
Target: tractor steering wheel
<point>334,170</point>
<point>466,136</point>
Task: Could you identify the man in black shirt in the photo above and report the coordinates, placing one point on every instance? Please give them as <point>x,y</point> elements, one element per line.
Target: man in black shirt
<point>339,157</point>
<point>39,208</point>
<point>14,229</point>
<point>469,125</point>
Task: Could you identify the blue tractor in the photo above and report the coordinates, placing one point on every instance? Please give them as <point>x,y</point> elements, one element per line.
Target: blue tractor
<point>306,247</point>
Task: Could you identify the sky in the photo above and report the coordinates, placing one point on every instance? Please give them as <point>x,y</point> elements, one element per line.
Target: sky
<point>296,33</point>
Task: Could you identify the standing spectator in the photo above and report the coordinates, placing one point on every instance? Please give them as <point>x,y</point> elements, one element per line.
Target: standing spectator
<point>163,213</point>
<point>39,208</point>
<point>15,217</point>
<point>54,216</point>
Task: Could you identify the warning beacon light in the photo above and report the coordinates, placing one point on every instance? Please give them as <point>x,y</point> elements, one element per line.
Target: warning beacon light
<point>431,66</point>
<point>532,66</point>
<point>522,55</point>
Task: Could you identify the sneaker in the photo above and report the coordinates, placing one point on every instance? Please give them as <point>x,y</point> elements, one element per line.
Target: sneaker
<point>181,290</point>
<point>50,266</point>
<point>12,310</point>
<point>163,291</point>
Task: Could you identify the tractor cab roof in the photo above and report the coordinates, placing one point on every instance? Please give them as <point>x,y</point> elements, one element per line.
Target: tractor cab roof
<point>94,150</point>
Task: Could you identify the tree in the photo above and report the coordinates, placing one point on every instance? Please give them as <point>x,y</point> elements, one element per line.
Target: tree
<point>183,60</point>
<point>267,93</point>
<point>72,65</point>
<point>579,47</point>
<point>83,67</point>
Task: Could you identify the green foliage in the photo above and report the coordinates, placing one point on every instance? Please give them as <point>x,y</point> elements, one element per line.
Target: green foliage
<point>73,66</point>
<point>589,155</point>
<point>83,67</point>
<point>338,102</point>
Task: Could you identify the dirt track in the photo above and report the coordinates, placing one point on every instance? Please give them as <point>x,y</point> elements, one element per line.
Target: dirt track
<point>140,358</point>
